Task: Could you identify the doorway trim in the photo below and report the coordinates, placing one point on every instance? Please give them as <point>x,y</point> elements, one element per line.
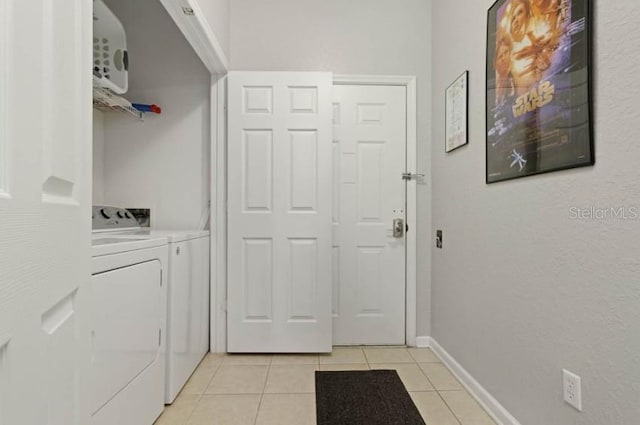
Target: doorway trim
<point>218,222</point>
<point>409,82</point>
<point>198,32</point>
<point>218,342</point>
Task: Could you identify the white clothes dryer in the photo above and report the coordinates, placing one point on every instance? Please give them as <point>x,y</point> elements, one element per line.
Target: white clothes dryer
<point>188,289</point>
<point>129,292</point>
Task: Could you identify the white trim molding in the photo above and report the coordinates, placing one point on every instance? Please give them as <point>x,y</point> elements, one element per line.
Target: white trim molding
<point>198,33</point>
<point>493,407</point>
<point>374,80</point>
<point>5,45</point>
<point>196,29</point>
<point>411,195</point>
<point>218,275</point>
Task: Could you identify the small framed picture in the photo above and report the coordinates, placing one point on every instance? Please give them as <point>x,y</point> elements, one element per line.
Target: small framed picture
<point>456,113</point>
<point>539,102</point>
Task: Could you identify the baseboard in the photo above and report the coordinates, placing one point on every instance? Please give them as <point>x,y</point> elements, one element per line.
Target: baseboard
<point>423,341</point>
<point>482,396</point>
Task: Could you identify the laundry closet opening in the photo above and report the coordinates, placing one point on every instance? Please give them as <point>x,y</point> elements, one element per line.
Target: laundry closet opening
<point>151,160</point>
<point>163,161</point>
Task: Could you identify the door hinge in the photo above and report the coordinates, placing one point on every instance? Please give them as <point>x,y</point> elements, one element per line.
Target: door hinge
<point>410,176</point>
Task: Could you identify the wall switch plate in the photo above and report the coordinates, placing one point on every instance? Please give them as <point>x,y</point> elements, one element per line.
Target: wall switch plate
<point>439,239</point>
<point>572,389</point>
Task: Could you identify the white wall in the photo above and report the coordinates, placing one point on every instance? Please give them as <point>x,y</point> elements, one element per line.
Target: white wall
<point>217,14</point>
<point>163,162</point>
<point>347,37</point>
<point>520,290</point>
<point>98,158</point>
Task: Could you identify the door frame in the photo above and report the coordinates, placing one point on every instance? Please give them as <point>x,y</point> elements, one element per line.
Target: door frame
<point>193,24</point>
<point>409,82</point>
<point>218,342</point>
<point>218,223</point>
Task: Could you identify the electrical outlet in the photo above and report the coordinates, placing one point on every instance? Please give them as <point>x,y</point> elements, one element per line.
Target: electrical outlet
<point>572,389</point>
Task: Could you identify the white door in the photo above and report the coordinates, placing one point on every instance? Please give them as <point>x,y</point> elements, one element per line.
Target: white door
<point>279,212</point>
<point>45,210</point>
<point>369,157</point>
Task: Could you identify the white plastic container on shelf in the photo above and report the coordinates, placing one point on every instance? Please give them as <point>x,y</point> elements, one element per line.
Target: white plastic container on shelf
<point>110,57</point>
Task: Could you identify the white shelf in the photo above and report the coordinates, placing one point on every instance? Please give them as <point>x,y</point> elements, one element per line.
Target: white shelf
<point>105,99</point>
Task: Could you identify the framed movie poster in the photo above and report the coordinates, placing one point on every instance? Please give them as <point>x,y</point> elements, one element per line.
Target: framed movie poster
<point>539,112</point>
<point>456,113</point>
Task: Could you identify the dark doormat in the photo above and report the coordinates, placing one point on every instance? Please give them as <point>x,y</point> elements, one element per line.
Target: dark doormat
<point>373,397</point>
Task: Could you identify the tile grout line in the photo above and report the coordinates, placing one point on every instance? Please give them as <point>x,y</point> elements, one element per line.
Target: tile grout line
<point>211,379</point>
<point>430,383</point>
<point>438,391</point>
<point>415,362</point>
<point>198,395</point>
<point>449,407</point>
<point>466,392</point>
<point>366,359</point>
<point>264,387</point>
<point>461,389</point>
<point>427,377</point>
<point>202,394</point>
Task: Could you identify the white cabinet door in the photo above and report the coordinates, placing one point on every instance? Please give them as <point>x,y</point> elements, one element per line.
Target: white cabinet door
<point>279,212</point>
<point>45,211</point>
<point>369,152</point>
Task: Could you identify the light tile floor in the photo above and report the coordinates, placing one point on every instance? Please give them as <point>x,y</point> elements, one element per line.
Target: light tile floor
<point>280,389</point>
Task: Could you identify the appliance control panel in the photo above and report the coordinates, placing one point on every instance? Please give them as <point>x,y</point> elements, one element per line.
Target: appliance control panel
<point>112,218</point>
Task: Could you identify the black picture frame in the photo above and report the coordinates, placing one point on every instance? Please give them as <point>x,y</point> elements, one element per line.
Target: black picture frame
<point>456,105</point>
<point>539,111</point>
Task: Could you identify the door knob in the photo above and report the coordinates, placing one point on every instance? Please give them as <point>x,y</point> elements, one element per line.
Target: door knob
<point>398,228</point>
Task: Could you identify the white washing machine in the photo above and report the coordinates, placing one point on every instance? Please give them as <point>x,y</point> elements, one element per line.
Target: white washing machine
<point>129,286</point>
<point>188,318</point>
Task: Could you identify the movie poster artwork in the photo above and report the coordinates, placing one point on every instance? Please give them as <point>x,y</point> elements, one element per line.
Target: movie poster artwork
<point>538,87</point>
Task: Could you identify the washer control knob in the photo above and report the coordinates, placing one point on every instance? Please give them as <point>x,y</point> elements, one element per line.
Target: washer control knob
<point>120,215</point>
<point>104,214</point>
<point>126,214</point>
